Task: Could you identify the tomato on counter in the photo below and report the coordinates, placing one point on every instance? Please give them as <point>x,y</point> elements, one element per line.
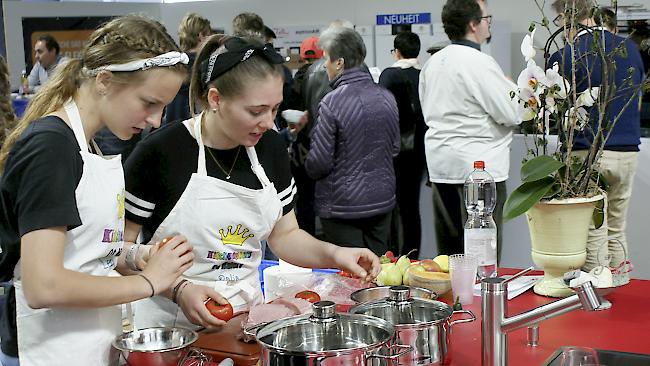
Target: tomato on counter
<point>310,296</point>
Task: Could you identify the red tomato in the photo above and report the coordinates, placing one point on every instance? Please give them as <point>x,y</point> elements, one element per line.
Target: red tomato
<point>223,312</point>
<point>390,255</point>
<point>310,296</point>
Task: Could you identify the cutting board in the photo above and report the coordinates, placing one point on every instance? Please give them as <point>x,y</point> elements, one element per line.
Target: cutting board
<point>226,343</point>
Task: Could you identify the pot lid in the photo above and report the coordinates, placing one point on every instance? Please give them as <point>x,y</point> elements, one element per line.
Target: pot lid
<point>324,331</point>
<point>399,308</point>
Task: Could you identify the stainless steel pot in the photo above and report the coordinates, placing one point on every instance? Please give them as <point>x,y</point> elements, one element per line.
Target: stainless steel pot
<point>423,324</point>
<point>164,346</point>
<point>381,292</point>
<point>326,338</point>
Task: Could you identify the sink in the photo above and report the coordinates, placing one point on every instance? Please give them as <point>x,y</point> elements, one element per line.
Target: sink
<point>607,357</point>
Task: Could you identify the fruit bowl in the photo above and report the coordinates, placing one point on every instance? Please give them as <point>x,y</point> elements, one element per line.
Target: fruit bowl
<point>438,282</point>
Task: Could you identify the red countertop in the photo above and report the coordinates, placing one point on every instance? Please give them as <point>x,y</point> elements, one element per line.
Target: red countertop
<point>624,327</point>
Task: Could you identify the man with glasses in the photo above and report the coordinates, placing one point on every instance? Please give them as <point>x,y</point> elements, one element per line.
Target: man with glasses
<point>466,104</point>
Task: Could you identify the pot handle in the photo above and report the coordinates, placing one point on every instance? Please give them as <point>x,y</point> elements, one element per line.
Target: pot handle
<point>400,349</point>
<point>250,332</point>
<point>466,320</point>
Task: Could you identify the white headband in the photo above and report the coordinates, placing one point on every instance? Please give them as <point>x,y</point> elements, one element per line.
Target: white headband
<point>166,59</point>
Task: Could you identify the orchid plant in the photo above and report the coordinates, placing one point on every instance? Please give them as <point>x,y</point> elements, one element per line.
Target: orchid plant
<point>550,104</point>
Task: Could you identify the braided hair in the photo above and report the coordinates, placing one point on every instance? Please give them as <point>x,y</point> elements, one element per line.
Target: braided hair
<point>119,41</point>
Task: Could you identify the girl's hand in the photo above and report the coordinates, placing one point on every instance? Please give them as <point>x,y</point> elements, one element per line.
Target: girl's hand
<point>191,300</point>
<point>165,264</point>
<point>360,262</point>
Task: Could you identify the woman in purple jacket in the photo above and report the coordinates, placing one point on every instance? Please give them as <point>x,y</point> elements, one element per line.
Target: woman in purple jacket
<point>353,144</point>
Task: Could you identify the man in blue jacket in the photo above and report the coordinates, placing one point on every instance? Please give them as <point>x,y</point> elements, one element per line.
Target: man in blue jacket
<point>622,120</point>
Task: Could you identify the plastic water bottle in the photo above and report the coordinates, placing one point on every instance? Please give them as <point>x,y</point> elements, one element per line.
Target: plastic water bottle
<point>480,229</point>
<point>24,84</point>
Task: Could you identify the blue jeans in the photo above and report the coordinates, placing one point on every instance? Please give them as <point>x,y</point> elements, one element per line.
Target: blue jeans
<point>8,360</point>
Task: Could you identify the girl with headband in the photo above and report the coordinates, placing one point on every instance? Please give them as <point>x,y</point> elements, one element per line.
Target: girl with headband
<point>222,179</point>
<point>62,223</point>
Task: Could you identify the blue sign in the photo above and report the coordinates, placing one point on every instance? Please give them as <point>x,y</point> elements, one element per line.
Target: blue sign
<point>409,18</point>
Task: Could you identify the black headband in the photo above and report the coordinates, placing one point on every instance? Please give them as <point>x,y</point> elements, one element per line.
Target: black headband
<point>236,50</point>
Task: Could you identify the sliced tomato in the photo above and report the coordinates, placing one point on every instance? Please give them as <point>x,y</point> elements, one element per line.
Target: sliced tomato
<point>310,296</point>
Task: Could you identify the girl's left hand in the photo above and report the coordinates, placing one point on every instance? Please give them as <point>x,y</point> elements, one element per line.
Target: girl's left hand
<point>360,262</point>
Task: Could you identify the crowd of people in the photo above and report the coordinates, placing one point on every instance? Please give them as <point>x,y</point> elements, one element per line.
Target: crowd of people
<point>223,175</point>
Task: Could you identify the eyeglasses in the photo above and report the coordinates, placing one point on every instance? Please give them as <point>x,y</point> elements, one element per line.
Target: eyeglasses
<point>559,20</point>
<point>488,18</point>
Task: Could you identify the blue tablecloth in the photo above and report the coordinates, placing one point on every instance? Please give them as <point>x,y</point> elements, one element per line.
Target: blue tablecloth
<point>19,103</point>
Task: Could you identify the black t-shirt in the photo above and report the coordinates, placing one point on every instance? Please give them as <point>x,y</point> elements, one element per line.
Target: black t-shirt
<point>160,167</point>
<point>37,191</point>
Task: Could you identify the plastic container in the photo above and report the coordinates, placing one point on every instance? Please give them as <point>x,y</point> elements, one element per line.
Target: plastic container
<point>480,229</point>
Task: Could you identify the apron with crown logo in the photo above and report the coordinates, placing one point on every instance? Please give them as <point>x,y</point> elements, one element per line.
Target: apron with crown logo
<point>225,223</point>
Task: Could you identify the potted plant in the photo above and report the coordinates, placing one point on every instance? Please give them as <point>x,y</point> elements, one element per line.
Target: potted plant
<point>560,188</point>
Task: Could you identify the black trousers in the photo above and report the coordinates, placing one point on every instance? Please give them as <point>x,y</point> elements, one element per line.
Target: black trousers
<point>407,228</point>
<point>369,232</point>
<point>450,215</point>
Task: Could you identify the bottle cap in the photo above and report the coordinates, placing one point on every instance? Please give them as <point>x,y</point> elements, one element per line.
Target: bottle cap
<point>479,164</point>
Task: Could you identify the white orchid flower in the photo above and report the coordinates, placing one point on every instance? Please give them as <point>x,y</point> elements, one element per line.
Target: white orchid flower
<point>527,47</point>
<point>531,76</point>
<point>554,78</point>
<point>588,97</point>
<point>576,117</point>
<point>529,104</point>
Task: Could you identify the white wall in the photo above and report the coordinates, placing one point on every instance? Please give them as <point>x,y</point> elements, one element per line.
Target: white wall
<point>14,11</point>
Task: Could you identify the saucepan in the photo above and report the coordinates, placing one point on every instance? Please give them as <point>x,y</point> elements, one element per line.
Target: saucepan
<point>327,338</point>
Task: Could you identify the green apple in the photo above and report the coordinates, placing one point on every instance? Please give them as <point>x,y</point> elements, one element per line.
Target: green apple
<point>443,262</point>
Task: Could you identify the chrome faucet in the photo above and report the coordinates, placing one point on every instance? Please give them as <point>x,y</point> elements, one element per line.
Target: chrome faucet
<point>496,325</point>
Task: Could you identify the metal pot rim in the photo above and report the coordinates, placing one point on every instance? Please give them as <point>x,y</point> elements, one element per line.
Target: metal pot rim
<point>361,308</point>
<point>193,337</point>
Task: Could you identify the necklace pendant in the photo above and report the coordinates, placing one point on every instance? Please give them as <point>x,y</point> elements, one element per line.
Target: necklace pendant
<point>227,177</point>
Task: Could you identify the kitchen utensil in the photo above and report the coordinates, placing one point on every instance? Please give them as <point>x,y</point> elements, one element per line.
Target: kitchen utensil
<point>381,292</point>
<point>162,346</point>
<point>423,324</point>
<point>326,338</point>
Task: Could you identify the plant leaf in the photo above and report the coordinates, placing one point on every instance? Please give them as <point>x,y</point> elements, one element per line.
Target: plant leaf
<point>598,216</point>
<point>539,167</point>
<point>525,196</point>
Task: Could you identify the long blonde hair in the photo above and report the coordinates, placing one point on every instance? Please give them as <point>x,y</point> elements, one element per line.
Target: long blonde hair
<point>119,41</point>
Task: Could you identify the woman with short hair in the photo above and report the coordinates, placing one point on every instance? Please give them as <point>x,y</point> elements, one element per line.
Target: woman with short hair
<point>353,143</point>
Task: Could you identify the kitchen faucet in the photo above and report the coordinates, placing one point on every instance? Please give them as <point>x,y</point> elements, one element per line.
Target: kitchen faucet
<point>496,325</point>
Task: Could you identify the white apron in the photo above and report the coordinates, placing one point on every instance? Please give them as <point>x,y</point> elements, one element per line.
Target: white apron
<point>80,337</point>
<point>225,223</point>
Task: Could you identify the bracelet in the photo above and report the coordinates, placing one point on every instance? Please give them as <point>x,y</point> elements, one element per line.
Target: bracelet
<point>153,292</point>
<point>180,291</point>
<point>175,290</point>
<point>130,258</point>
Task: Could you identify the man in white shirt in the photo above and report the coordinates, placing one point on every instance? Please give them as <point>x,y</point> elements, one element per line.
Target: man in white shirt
<point>46,55</point>
<point>466,104</point>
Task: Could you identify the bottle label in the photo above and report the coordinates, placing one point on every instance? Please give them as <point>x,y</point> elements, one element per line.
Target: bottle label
<point>482,243</point>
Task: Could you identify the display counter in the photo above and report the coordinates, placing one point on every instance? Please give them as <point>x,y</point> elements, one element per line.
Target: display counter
<point>624,327</point>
